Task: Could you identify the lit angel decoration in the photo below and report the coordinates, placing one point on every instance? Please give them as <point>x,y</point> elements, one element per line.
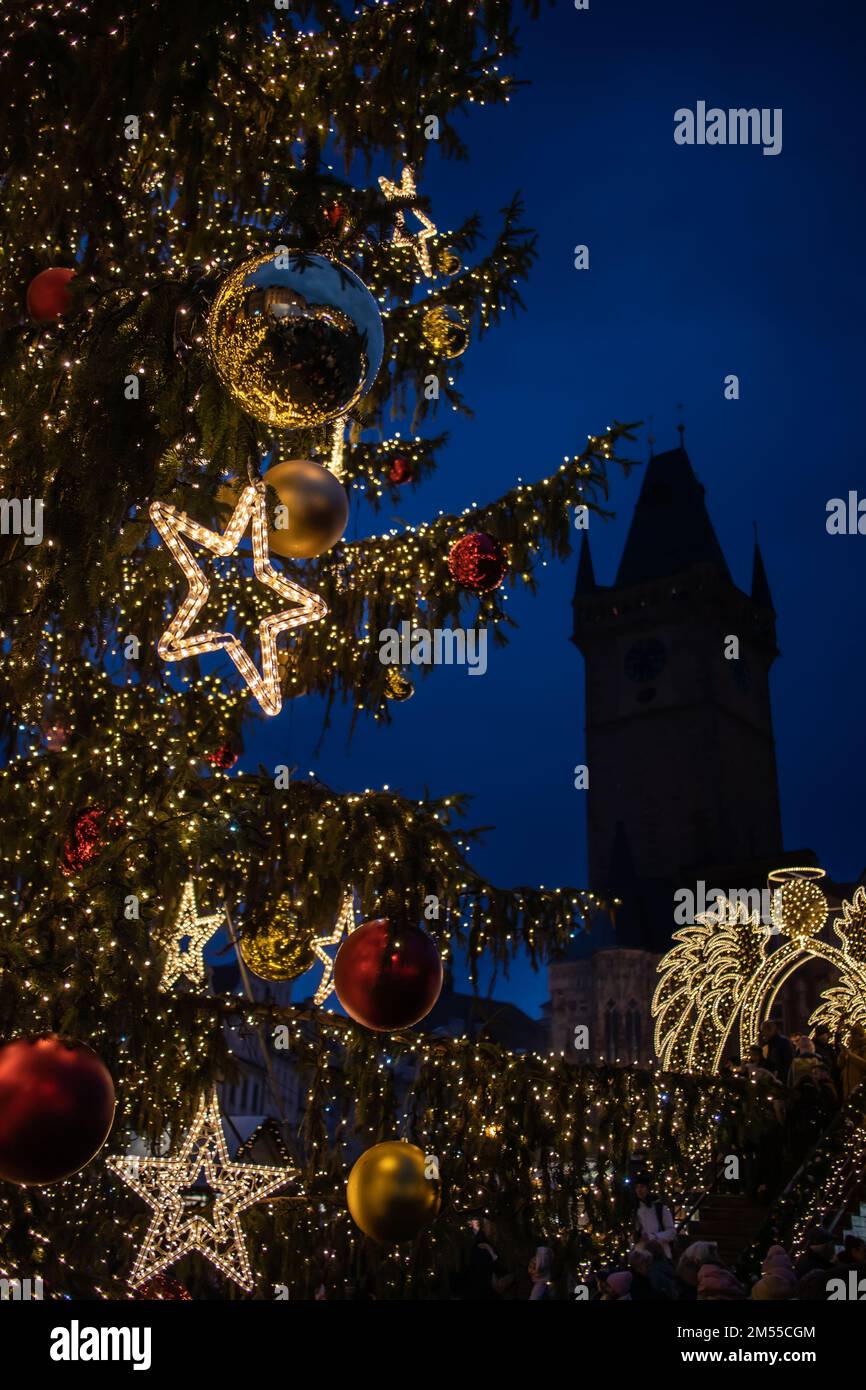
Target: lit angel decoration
<point>722,974</point>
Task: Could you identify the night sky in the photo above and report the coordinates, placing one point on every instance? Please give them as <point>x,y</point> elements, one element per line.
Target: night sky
<point>703,262</point>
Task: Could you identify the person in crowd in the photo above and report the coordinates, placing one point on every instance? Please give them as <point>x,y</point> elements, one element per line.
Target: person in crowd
<point>640,1262</point>
<point>718,1284</point>
<point>541,1272</point>
<point>616,1287</point>
<point>777,1260</point>
<point>853,1254</point>
<point>777,1050</point>
<point>661,1273</point>
<point>778,1286</point>
<point>755,1067</point>
<point>804,1064</point>
<point>826,1053</point>
<point>653,1219</point>
<point>484,1278</point>
<point>820,1249</point>
<point>692,1260</point>
<point>852,1060</point>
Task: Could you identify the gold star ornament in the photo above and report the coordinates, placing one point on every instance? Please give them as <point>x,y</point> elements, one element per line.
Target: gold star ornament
<point>197,1198</point>
<point>196,931</point>
<point>406,189</point>
<point>176,644</point>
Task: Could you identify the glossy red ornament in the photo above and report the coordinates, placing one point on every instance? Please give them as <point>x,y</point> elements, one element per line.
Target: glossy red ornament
<point>56,1108</point>
<point>88,838</point>
<point>224,757</point>
<point>335,214</point>
<point>400,471</point>
<point>387,975</point>
<point>48,294</point>
<point>478,562</point>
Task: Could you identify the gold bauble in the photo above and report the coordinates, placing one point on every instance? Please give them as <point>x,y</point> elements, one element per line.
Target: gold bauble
<point>445,330</point>
<point>448,261</point>
<point>296,339</point>
<point>799,907</point>
<point>278,951</point>
<point>389,1197</point>
<point>397,686</point>
<point>313,509</point>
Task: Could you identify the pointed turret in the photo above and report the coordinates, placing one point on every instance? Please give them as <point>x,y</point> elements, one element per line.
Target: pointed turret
<point>760,585</point>
<point>671,529</point>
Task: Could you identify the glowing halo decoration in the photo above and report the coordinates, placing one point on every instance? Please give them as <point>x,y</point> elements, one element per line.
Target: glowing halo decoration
<point>723,974</point>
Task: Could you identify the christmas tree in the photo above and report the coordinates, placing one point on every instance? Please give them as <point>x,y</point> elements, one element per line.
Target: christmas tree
<point>226,310</point>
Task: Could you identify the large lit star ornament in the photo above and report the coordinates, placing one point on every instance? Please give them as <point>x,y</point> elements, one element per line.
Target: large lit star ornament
<point>196,931</point>
<point>344,925</point>
<point>406,189</point>
<point>197,1197</point>
<point>176,644</point>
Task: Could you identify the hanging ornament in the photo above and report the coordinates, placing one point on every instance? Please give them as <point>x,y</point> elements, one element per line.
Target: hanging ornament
<point>389,1195</point>
<point>197,1197</point>
<point>184,947</point>
<point>448,261</point>
<point>388,976</point>
<point>56,1109</point>
<point>223,757</point>
<point>444,328</point>
<point>799,907</point>
<point>176,645</point>
<point>400,471</point>
<point>334,215</point>
<point>296,339</point>
<point>343,928</point>
<point>90,834</point>
<point>280,950</point>
<point>418,242</point>
<point>398,686</point>
<point>478,562</point>
<point>55,737</point>
<point>48,295</point>
<point>313,510</point>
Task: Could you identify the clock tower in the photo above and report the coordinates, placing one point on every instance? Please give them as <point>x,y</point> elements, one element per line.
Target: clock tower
<point>679,731</point>
<point>679,746</point>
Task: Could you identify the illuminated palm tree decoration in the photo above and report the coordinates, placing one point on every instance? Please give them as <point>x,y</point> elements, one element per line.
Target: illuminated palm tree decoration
<point>723,973</point>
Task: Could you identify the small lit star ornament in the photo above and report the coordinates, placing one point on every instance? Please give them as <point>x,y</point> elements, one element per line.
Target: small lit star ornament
<point>197,1197</point>
<point>176,644</point>
<point>418,242</point>
<point>196,932</point>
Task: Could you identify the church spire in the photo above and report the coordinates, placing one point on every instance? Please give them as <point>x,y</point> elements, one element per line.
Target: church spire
<point>671,529</point>
<point>760,584</point>
<point>585,572</point>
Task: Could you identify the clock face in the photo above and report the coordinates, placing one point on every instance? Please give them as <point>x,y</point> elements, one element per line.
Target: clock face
<point>645,660</point>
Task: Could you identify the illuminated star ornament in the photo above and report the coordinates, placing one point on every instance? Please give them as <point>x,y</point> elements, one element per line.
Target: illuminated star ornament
<point>197,1198</point>
<point>196,932</point>
<point>345,924</point>
<point>176,644</point>
<point>418,242</point>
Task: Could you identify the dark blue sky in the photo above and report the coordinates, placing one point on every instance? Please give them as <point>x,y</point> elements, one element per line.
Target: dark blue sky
<point>704,261</point>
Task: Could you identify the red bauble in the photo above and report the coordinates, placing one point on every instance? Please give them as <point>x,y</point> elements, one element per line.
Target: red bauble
<point>400,471</point>
<point>48,294</point>
<point>223,757</point>
<point>478,562</point>
<point>335,214</point>
<point>387,976</point>
<point>56,1108</point>
<point>89,835</point>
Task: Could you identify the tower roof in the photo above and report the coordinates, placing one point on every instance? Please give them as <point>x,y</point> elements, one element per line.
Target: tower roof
<point>671,529</point>
<point>760,584</point>
<point>585,572</point>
